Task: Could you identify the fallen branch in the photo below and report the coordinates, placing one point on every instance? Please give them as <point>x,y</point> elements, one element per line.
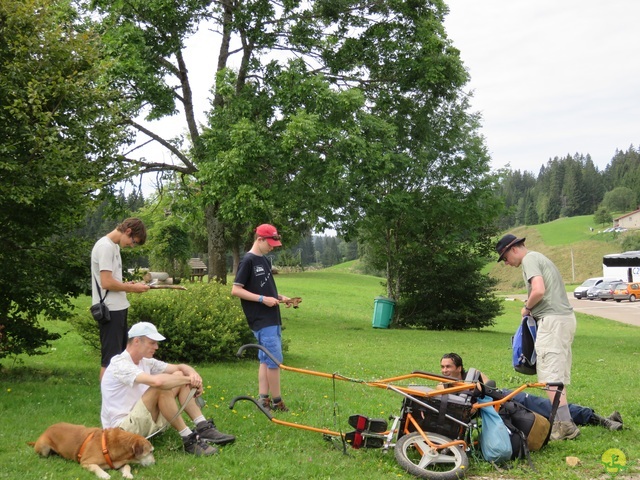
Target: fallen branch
<point>172,287</point>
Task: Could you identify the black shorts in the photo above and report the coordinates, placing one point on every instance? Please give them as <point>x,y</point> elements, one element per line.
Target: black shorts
<point>114,336</point>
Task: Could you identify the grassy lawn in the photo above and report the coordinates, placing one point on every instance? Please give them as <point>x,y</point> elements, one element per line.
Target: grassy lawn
<point>331,332</point>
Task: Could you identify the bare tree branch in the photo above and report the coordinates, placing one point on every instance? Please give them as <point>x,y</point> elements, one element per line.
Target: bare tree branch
<point>188,167</point>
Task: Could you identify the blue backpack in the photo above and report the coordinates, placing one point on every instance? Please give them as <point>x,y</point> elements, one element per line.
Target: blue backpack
<point>495,438</point>
<point>523,344</point>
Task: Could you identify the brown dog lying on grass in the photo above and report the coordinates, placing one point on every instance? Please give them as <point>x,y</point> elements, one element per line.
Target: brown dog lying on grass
<point>96,449</point>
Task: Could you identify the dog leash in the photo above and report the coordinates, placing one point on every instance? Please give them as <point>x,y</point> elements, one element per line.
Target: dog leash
<point>182,407</point>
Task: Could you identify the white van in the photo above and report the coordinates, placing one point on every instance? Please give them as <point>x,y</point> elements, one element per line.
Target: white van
<point>581,291</point>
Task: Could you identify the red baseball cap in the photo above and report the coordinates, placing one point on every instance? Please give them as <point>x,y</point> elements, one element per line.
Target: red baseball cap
<point>270,234</point>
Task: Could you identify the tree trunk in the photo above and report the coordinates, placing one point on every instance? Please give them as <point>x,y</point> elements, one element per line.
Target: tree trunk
<point>217,249</point>
<point>389,271</point>
<point>235,251</point>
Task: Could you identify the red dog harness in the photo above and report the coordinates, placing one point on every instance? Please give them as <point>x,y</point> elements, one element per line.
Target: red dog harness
<point>105,450</point>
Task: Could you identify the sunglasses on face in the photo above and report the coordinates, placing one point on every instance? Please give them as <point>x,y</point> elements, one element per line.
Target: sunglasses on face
<point>274,237</point>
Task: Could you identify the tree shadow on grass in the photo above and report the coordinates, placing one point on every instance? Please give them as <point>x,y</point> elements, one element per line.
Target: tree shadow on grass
<point>50,375</point>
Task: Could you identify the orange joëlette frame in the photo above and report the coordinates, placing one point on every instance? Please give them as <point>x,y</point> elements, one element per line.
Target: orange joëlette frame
<point>457,387</point>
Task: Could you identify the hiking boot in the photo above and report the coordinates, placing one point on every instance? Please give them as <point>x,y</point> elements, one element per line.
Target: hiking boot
<point>616,417</point>
<point>279,406</point>
<point>192,444</point>
<point>207,431</point>
<point>265,402</point>
<point>605,422</point>
<point>564,431</point>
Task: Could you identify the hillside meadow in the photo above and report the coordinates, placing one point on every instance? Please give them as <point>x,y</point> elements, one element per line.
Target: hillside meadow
<point>331,332</point>
<point>570,243</point>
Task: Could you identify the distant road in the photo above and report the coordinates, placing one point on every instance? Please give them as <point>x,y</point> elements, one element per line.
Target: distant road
<point>625,312</point>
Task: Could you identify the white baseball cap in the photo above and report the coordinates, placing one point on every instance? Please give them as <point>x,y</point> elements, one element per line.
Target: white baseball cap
<point>145,329</point>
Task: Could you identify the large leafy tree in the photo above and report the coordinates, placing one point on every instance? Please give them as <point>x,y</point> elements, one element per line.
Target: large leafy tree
<point>424,200</point>
<point>278,131</point>
<point>333,113</point>
<point>620,199</point>
<point>285,162</point>
<point>308,97</point>
<point>59,132</point>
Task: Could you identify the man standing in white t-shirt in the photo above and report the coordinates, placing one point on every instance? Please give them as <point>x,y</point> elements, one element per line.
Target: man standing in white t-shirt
<point>139,394</point>
<point>106,282</point>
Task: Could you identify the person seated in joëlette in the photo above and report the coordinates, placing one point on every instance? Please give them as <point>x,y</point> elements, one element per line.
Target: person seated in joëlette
<point>451,365</point>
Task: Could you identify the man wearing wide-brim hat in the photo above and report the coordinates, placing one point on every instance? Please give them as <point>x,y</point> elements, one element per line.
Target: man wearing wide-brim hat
<point>547,302</point>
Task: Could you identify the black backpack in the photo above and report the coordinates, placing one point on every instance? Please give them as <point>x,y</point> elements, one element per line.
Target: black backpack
<point>530,431</point>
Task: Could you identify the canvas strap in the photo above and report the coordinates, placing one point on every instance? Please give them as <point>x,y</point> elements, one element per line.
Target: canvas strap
<point>84,445</point>
<point>100,291</point>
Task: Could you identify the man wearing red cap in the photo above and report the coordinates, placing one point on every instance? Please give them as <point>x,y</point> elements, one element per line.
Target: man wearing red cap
<point>255,287</point>
<point>547,302</point>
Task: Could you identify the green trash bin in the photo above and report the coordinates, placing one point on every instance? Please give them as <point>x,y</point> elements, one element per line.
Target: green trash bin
<point>382,312</point>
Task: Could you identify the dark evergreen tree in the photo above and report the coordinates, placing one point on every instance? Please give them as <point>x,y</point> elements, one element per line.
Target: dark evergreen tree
<point>593,185</point>
<point>308,250</point>
<point>624,171</point>
<point>572,191</point>
<point>331,253</point>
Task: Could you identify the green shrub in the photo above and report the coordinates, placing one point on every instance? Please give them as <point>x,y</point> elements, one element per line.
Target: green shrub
<point>87,328</point>
<point>446,294</point>
<point>201,324</point>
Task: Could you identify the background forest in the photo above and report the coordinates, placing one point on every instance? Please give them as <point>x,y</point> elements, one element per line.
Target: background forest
<point>571,186</point>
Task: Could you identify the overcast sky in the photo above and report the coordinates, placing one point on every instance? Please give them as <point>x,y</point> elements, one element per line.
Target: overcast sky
<point>551,77</point>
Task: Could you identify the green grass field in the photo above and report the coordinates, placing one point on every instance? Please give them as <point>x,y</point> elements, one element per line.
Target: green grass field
<point>331,332</point>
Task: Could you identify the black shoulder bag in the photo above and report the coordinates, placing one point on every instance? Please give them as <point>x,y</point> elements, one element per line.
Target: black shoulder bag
<point>100,311</point>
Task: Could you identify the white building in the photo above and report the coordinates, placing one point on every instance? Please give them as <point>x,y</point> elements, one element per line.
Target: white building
<point>629,221</point>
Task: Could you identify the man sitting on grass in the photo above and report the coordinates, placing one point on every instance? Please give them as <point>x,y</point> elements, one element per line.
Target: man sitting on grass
<point>451,366</point>
<point>139,394</point>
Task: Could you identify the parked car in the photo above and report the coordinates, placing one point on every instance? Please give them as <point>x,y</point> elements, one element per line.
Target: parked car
<point>581,291</point>
<point>594,292</point>
<point>607,289</point>
<point>627,291</point>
